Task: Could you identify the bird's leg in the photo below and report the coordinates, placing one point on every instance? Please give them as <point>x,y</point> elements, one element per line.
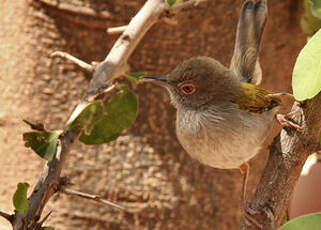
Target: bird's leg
<point>286,120</point>
<point>247,211</point>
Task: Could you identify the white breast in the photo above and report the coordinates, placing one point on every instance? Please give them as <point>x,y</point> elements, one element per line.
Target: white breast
<point>222,136</point>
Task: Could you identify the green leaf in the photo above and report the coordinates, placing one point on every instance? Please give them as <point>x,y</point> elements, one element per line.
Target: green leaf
<point>308,222</point>
<point>47,228</point>
<point>44,143</point>
<point>20,199</point>
<point>306,77</point>
<point>170,2</point>
<point>311,21</point>
<point>316,8</point>
<point>135,76</point>
<point>88,117</point>
<point>104,121</point>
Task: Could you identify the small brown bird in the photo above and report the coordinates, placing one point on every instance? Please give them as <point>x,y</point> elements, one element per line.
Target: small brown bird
<point>223,119</point>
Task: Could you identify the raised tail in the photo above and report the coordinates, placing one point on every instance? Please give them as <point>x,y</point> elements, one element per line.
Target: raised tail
<point>245,61</point>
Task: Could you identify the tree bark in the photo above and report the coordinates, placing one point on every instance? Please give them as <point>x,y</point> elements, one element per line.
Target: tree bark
<point>145,169</point>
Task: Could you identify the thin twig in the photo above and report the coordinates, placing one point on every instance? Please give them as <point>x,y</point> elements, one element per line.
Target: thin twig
<point>73,59</point>
<point>40,223</point>
<point>116,30</point>
<point>7,216</point>
<point>34,125</point>
<point>90,197</point>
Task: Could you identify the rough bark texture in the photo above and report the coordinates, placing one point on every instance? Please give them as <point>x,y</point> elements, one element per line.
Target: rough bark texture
<point>146,169</point>
<point>288,154</point>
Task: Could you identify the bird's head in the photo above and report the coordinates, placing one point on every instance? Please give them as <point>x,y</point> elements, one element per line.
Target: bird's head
<point>199,81</point>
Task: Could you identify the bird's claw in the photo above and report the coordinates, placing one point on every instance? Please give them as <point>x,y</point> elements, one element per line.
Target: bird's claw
<point>249,218</point>
<point>286,121</point>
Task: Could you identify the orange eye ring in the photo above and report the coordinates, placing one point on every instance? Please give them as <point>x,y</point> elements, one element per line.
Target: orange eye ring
<point>188,88</point>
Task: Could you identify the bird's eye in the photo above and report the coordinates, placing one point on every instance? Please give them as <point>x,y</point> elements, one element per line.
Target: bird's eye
<point>188,88</point>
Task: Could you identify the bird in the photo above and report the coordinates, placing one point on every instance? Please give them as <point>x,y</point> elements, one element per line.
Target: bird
<point>223,116</point>
<point>221,121</point>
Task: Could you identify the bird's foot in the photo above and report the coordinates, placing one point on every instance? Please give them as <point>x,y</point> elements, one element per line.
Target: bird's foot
<point>286,120</point>
<point>248,214</point>
<point>266,214</point>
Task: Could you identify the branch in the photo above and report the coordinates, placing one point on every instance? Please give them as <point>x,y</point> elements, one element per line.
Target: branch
<point>47,184</point>
<point>116,30</point>
<point>120,29</point>
<point>90,197</point>
<point>114,65</point>
<point>78,62</point>
<point>288,154</point>
<point>7,216</point>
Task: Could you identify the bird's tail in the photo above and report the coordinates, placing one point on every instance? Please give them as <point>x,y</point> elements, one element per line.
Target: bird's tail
<point>245,61</point>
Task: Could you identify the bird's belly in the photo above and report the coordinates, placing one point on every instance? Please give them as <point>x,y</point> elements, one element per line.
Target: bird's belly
<point>227,156</point>
<point>224,146</point>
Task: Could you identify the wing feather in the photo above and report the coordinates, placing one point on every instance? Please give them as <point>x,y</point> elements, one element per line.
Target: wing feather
<point>255,100</point>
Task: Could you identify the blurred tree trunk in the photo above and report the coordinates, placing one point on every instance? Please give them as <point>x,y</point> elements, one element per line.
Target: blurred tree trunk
<point>146,169</point>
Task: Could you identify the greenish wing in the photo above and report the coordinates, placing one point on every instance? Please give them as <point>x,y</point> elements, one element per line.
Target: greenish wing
<point>254,99</point>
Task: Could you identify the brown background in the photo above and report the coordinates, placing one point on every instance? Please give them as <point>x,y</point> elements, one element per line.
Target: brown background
<point>146,169</point>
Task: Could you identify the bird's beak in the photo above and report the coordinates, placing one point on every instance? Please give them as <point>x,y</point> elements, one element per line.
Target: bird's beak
<point>160,80</point>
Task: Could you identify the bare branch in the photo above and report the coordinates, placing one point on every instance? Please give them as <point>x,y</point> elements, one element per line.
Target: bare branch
<point>120,29</point>
<point>7,216</point>
<point>114,65</point>
<point>90,197</point>
<point>126,43</point>
<point>35,125</point>
<point>116,30</point>
<point>78,62</point>
<point>40,223</point>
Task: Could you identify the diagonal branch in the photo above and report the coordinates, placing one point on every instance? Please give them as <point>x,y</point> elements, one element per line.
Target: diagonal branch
<point>7,216</point>
<point>88,196</point>
<point>114,65</point>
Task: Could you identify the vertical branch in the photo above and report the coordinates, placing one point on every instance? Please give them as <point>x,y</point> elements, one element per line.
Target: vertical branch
<point>288,153</point>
